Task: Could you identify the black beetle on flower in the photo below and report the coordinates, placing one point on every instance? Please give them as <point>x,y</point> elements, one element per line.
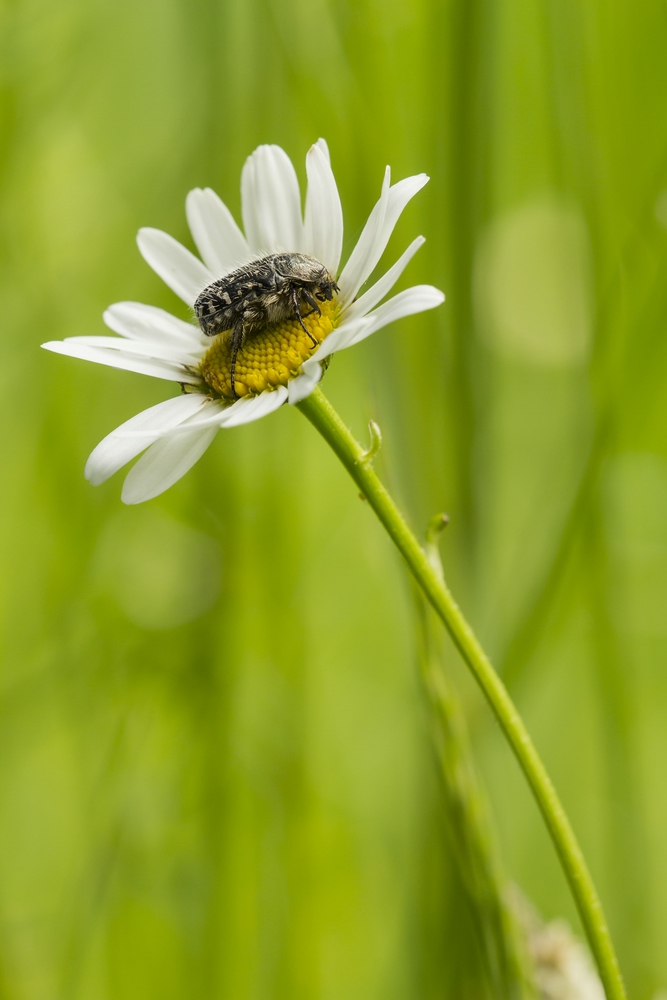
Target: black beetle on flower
<point>267,291</point>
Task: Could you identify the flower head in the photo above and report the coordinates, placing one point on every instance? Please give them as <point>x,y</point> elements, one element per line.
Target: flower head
<point>280,360</point>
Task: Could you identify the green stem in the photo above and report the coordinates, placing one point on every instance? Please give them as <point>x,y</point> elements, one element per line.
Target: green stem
<point>325,419</point>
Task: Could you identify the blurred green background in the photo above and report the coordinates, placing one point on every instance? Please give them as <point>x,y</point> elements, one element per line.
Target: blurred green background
<point>216,779</point>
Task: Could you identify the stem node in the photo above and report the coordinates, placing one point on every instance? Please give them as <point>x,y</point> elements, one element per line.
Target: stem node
<point>435,528</point>
<point>375,445</point>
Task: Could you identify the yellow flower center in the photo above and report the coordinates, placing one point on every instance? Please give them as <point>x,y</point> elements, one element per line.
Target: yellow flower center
<point>269,358</point>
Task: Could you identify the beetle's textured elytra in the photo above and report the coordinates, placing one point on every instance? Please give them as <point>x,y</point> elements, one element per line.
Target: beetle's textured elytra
<point>267,291</point>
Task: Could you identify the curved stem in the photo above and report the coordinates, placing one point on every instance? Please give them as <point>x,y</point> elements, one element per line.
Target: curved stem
<point>323,416</point>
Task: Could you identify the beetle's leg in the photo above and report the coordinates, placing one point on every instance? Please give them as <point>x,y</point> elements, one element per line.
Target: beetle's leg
<point>297,315</point>
<point>311,301</point>
<point>238,336</point>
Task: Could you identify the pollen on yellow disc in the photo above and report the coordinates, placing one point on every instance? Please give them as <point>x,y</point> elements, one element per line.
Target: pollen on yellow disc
<point>268,358</point>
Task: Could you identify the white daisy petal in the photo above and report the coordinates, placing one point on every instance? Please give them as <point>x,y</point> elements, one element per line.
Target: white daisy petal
<point>401,193</point>
<point>243,411</point>
<point>250,408</point>
<point>250,206</point>
<point>121,359</point>
<point>384,285</point>
<point>172,353</point>
<point>181,270</point>
<point>165,463</point>
<point>218,238</point>
<point>356,270</point>
<point>303,384</point>
<point>271,202</point>
<point>125,442</point>
<point>323,145</point>
<point>137,321</point>
<point>412,300</point>
<point>341,338</point>
<point>398,197</point>
<point>210,415</point>
<point>323,224</point>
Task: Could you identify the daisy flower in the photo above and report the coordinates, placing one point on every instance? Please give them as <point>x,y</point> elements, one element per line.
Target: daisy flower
<point>280,363</point>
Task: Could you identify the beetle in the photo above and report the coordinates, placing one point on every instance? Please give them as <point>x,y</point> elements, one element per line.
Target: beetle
<point>269,290</point>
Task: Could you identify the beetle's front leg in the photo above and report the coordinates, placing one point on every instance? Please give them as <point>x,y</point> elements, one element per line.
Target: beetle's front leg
<point>238,337</point>
<point>297,315</point>
<point>311,302</point>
